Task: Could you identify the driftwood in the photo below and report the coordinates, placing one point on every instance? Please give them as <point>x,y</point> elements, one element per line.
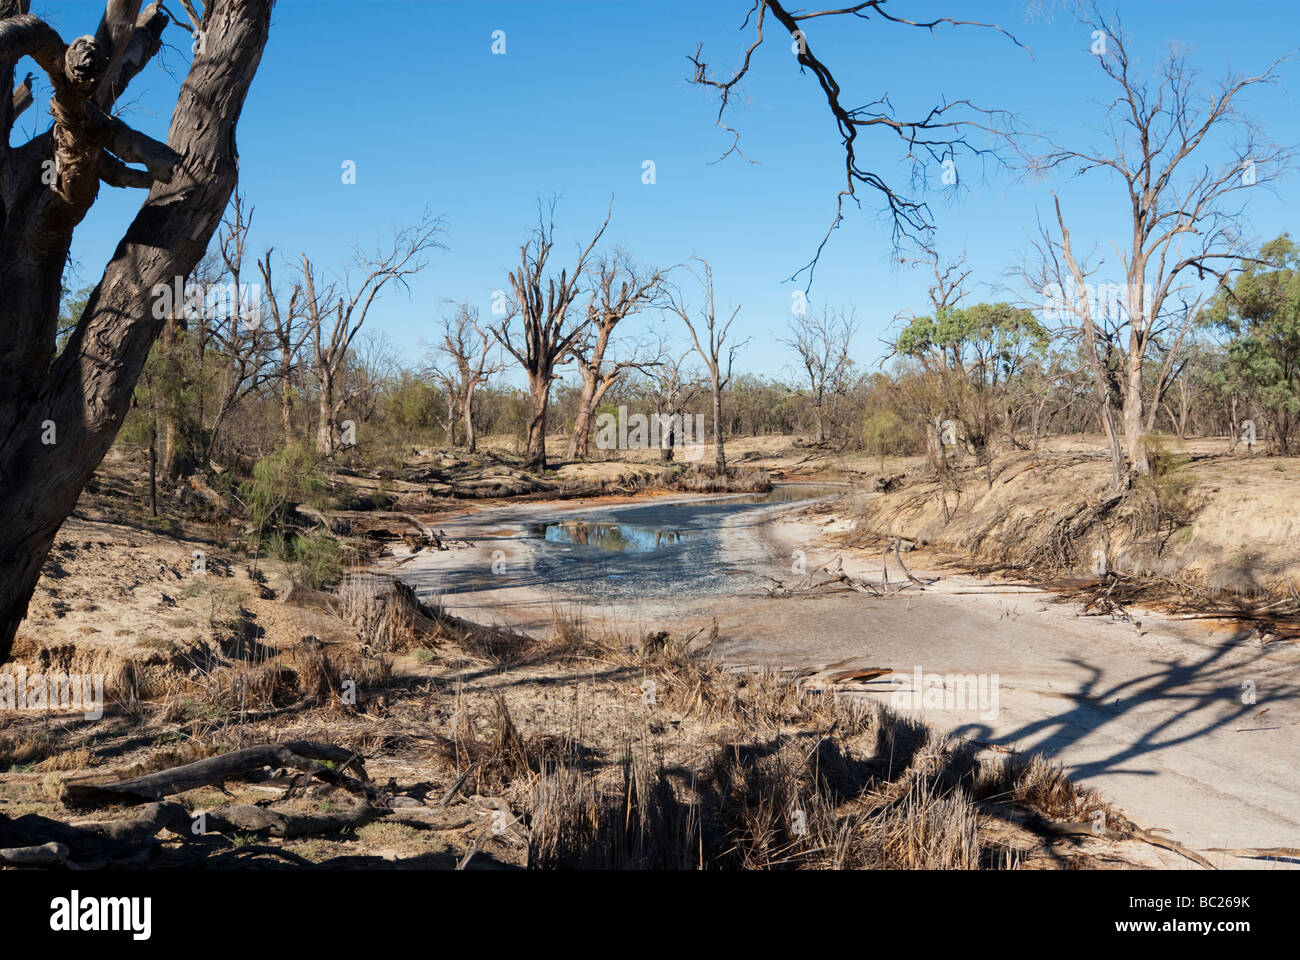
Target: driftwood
<point>833,575</point>
<point>93,845</point>
<point>46,854</point>
<point>246,818</point>
<point>338,525</point>
<point>298,754</point>
<point>105,841</point>
<point>151,819</point>
<point>1259,853</point>
<point>863,675</point>
<point>426,531</point>
<point>1128,832</point>
<point>908,573</point>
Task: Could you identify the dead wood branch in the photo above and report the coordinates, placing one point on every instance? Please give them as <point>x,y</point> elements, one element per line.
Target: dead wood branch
<point>299,754</point>
<point>246,818</point>
<point>1259,853</point>
<point>1128,832</point>
<point>151,819</point>
<point>44,855</point>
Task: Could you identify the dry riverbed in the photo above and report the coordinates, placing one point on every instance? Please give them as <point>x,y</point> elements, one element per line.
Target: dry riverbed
<point>1189,727</point>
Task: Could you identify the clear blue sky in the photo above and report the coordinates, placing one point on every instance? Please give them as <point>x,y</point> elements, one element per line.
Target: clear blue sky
<point>587,91</point>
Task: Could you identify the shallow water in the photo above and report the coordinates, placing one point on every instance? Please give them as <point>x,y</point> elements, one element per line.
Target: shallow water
<point>654,549</point>
<point>650,527</point>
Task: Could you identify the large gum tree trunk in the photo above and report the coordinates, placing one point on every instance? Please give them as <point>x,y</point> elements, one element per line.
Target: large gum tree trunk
<point>325,431</point>
<point>578,442</point>
<point>539,397</point>
<point>1134,425</point>
<point>80,399</point>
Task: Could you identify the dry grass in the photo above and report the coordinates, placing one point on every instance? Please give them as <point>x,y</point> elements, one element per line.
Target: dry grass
<point>23,748</point>
<point>1216,523</point>
<point>601,751</point>
<point>383,611</point>
<point>784,779</point>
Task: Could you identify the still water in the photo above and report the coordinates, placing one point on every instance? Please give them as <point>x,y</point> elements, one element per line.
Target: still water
<point>654,549</point>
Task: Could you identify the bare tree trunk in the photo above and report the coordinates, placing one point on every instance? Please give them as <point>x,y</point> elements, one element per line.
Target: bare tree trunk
<point>171,412</point>
<point>539,398</point>
<point>325,428</point>
<point>471,444</point>
<point>709,336</point>
<point>153,464</point>
<point>86,392</point>
<point>286,409</point>
<point>1134,427</point>
<point>579,440</point>
<point>719,445</point>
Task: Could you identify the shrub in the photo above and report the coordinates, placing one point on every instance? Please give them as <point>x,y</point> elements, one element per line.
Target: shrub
<point>319,558</point>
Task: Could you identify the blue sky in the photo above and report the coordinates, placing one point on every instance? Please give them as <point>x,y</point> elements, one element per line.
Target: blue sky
<point>587,91</point>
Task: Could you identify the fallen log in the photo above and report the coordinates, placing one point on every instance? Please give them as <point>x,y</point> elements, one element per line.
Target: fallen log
<point>336,525</point>
<point>908,573</point>
<point>426,531</point>
<point>299,754</point>
<point>138,829</point>
<point>245,818</point>
<point>44,855</point>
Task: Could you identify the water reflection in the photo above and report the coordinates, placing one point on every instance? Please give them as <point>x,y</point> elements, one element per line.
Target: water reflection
<point>789,493</point>
<point>647,527</point>
<point>616,537</point>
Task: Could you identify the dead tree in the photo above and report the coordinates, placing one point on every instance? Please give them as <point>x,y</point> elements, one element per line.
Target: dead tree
<point>234,314</point>
<point>539,330</point>
<point>447,382</point>
<point>709,335</point>
<point>823,344</point>
<point>289,331</point>
<point>466,345</point>
<point>1184,214</point>
<point>673,388</point>
<point>336,319</point>
<point>58,416</point>
<point>937,138</point>
<point>619,291</point>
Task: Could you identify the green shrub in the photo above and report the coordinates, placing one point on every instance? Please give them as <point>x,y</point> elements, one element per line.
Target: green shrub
<point>319,558</point>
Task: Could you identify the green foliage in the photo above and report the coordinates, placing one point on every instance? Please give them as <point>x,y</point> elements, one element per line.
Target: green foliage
<point>410,404</point>
<point>882,434</point>
<point>284,478</point>
<point>1166,495</point>
<point>991,342</point>
<point>72,305</point>
<point>1260,312</point>
<point>319,558</point>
